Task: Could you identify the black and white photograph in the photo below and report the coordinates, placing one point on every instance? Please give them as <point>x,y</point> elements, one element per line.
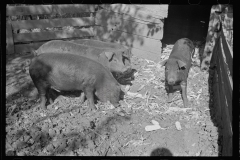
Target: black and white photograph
<point>119,80</point>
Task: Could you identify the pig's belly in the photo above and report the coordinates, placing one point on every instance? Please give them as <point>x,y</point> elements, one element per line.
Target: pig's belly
<point>62,84</point>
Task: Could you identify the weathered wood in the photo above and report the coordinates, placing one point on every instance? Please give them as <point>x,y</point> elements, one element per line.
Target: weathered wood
<point>129,40</point>
<point>159,11</point>
<point>49,9</point>
<point>9,38</point>
<point>226,84</point>
<point>21,48</point>
<point>134,11</point>
<point>44,23</point>
<point>39,36</point>
<point>227,53</point>
<point>29,10</point>
<point>128,24</point>
<point>73,8</point>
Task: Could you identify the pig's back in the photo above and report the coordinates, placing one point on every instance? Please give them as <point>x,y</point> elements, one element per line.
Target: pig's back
<point>182,50</point>
<point>73,62</point>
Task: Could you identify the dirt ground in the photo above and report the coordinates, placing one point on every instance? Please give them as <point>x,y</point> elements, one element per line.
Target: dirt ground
<point>67,129</point>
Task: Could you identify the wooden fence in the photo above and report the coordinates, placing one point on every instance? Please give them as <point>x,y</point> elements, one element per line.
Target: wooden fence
<point>222,85</point>
<point>137,26</point>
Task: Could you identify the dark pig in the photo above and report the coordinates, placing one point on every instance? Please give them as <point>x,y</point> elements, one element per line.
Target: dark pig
<point>109,58</point>
<point>177,67</point>
<point>68,72</point>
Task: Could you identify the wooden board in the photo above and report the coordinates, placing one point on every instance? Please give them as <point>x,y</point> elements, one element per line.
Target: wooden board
<point>159,11</point>
<point>22,48</point>
<point>134,11</point>
<point>48,9</point>
<point>111,20</point>
<point>129,40</point>
<point>9,39</point>
<point>44,23</point>
<point>29,10</point>
<point>40,36</point>
<point>227,52</point>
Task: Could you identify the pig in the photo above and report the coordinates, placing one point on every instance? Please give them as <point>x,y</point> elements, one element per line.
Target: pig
<point>177,67</point>
<point>111,59</point>
<point>126,53</point>
<point>69,72</point>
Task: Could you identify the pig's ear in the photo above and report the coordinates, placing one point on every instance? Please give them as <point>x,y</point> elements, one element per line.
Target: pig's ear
<point>163,62</point>
<point>181,64</point>
<point>109,55</point>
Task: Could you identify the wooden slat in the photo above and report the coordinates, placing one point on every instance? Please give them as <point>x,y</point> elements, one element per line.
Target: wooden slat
<point>29,10</point>
<point>130,40</point>
<point>133,11</point>
<point>9,38</point>
<point>73,8</point>
<point>226,122</point>
<point>227,88</point>
<point>119,22</point>
<point>156,10</point>
<point>227,52</point>
<point>226,64</point>
<point>40,36</point>
<point>106,14</point>
<point>21,48</point>
<point>48,9</point>
<point>44,23</point>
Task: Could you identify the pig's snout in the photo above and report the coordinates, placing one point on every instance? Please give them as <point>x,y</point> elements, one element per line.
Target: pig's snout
<point>171,81</point>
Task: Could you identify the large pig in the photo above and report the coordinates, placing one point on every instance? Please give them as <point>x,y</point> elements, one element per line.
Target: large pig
<point>126,53</point>
<point>68,72</point>
<point>177,67</point>
<point>109,58</point>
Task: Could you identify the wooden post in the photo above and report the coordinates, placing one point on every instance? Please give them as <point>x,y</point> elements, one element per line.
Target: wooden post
<point>9,37</point>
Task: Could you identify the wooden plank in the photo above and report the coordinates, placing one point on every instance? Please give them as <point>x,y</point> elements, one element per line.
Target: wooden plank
<point>40,36</point>
<point>227,88</point>
<point>129,25</point>
<point>226,122</point>
<point>22,48</point>
<point>133,11</point>
<point>48,9</point>
<point>227,52</point>
<point>44,23</point>
<point>9,38</point>
<point>156,10</point>
<point>226,64</point>
<point>29,10</point>
<point>73,8</point>
<point>146,55</point>
<point>107,14</point>
<point>129,40</point>
<point>224,103</point>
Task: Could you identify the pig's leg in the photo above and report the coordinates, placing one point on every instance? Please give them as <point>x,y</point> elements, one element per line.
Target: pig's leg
<point>184,93</point>
<point>49,95</point>
<point>42,90</point>
<point>89,94</point>
<point>82,96</point>
<point>170,93</point>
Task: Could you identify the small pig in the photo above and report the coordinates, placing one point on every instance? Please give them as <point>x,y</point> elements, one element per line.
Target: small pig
<point>109,58</point>
<point>177,67</point>
<point>68,72</point>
